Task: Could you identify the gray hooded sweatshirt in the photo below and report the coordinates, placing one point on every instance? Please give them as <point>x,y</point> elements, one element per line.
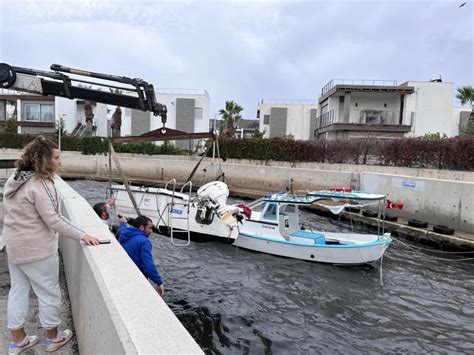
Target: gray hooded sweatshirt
<point>32,217</point>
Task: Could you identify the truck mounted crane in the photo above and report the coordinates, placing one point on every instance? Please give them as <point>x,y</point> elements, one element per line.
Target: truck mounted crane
<point>56,83</point>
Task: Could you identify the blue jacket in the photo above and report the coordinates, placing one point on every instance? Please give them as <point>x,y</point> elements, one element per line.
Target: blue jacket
<point>138,247</point>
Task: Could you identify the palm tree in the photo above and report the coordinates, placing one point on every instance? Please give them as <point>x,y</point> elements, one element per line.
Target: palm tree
<point>465,94</point>
<point>231,116</point>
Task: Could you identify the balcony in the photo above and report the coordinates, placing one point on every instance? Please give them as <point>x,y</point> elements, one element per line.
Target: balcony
<point>365,120</point>
<point>367,117</point>
<point>356,82</point>
<point>367,86</point>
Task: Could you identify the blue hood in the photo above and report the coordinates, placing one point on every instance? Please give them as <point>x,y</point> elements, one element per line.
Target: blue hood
<point>128,232</point>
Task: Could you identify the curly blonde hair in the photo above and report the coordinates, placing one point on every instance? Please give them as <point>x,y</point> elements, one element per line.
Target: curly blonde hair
<point>37,156</point>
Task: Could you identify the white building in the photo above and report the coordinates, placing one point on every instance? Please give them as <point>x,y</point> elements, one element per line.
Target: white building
<point>432,103</point>
<point>287,117</point>
<point>188,110</point>
<point>34,114</point>
<point>351,109</point>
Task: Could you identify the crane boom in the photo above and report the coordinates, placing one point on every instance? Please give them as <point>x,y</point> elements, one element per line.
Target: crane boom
<point>56,83</point>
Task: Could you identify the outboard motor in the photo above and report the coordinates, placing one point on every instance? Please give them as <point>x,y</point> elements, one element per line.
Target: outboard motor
<point>212,198</point>
<point>205,211</point>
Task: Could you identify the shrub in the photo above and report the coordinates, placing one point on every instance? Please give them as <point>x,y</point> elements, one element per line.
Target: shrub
<point>433,152</point>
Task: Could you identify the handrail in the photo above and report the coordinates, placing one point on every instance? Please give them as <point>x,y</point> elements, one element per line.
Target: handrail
<point>366,116</point>
<point>368,82</point>
<point>173,181</point>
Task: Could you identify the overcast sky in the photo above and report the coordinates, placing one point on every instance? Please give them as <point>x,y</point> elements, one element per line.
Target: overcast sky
<point>244,51</point>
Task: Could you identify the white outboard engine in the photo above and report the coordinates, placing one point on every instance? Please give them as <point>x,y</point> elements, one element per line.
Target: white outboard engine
<point>213,198</point>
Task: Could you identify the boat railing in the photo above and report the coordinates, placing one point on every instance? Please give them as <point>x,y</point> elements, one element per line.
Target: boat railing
<point>171,209</point>
<point>172,181</point>
<point>189,184</point>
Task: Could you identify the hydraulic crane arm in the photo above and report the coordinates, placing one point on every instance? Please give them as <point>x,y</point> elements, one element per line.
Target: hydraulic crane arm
<point>56,83</point>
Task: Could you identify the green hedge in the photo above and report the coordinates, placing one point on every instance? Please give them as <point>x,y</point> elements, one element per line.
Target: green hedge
<point>90,145</point>
<point>455,153</point>
<point>446,153</point>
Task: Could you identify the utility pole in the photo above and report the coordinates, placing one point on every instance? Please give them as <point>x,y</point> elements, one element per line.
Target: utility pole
<point>60,128</point>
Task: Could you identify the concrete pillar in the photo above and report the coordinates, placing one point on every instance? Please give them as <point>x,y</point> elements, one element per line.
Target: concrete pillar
<point>313,124</point>
<point>278,118</point>
<point>18,114</point>
<point>347,107</point>
<point>185,119</point>
<point>3,110</point>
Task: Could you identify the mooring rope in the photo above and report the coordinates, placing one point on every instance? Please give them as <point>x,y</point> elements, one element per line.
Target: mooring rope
<point>431,256</point>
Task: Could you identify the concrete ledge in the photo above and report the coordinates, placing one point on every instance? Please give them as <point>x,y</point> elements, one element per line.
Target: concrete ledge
<point>115,309</point>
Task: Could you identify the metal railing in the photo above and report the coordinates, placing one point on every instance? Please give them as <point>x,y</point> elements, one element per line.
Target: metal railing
<point>181,91</point>
<point>14,92</point>
<point>366,116</point>
<point>370,82</point>
<point>288,101</point>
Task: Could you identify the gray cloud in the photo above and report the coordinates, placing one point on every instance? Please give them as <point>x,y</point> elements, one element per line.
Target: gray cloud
<point>244,51</point>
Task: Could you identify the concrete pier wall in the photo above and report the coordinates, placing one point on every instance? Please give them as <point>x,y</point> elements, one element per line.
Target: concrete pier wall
<point>445,202</point>
<point>436,196</point>
<point>115,309</point>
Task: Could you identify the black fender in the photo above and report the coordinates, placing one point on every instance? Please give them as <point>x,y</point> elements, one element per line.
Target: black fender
<point>390,218</point>
<point>417,224</point>
<point>369,213</point>
<point>353,209</point>
<point>443,229</point>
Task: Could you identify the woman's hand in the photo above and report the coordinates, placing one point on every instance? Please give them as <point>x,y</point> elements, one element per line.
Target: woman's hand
<point>90,240</point>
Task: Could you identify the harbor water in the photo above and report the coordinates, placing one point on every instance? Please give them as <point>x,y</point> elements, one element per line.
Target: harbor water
<point>234,301</point>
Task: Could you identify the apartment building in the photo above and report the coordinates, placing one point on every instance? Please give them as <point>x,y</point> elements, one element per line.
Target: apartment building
<point>351,109</point>
<point>188,110</point>
<point>33,113</point>
<point>281,117</point>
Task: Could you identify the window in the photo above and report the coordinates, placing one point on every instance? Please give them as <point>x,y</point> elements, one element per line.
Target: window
<point>266,119</point>
<point>32,112</point>
<point>270,211</point>
<point>258,113</point>
<point>198,113</point>
<point>47,113</point>
<point>37,112</point>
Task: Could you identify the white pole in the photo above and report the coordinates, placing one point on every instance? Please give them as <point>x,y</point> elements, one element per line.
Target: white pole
<point>60,126</point>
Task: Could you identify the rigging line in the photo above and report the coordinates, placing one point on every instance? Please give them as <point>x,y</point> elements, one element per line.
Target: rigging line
<point>124,178</point>
<point>381,270</point>
<point>110,170</point>
<point>198,163</point>
<point>440,251</point>
<point>431,256</point>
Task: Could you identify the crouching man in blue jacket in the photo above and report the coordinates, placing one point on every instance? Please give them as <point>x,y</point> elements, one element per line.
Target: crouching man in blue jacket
<point>134,239</point>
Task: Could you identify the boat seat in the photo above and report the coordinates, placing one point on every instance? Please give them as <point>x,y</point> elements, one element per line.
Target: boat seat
<point>318,238</point>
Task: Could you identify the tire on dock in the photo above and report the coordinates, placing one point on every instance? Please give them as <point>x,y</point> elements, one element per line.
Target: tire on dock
<point>390,218</point>
<point>353,209</point>
<point>369,213</point>
<point>443,229</point>
<point>417,224</point>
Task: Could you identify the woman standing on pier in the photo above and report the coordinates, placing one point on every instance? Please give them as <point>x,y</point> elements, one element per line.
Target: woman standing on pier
<point>32,217</point>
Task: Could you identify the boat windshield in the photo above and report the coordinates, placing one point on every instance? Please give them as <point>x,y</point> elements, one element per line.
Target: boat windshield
<point>270,211</point>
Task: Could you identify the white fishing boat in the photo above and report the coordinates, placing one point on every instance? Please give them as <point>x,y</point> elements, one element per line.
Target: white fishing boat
<point>181,212</point>
<point>274,228</point>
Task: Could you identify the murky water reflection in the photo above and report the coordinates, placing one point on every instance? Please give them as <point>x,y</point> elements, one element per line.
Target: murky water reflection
<point>235,301</point>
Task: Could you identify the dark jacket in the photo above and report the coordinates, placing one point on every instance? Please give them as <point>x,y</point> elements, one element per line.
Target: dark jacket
<point>138,247</point>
